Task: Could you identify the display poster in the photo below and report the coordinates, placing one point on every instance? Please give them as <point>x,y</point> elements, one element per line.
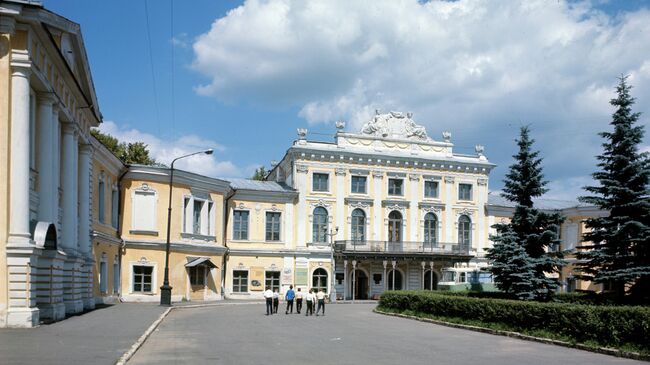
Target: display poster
<point>257,279</point>
<point>301,277</point>
<point>287,276</point>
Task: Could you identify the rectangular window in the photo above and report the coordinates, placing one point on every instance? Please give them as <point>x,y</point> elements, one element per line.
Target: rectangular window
<point>240,225</point>
<point>395,186</point>
<point>320,182</point>
<point>115,204</point>
<point>144,211</point>
<point>186,206</point>
<point>103,277</point>
<point>272,226</point>
<point>240,281</point>
<point>116,276</point>
<point>197,275</point>
<point>142,279</point>
<point>272,280</point>
<point>464,191</point>
<point>430,189</point>
<point>100,202</point>
<point>196,216</point>
<point>209,225</point>
<point>358,184</point>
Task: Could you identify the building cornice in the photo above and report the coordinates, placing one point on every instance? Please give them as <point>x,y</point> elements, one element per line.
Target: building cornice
<point>181,177</point>
<point>177,246</point>
<point>266,196</point>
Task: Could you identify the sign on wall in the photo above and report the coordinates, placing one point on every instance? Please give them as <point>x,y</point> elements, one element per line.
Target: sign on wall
<point>301,276</point>
<point>287,276</point>
<point>257,277</point>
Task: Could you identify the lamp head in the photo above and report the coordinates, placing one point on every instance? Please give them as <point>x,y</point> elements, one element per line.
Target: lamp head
<point>208,151</point>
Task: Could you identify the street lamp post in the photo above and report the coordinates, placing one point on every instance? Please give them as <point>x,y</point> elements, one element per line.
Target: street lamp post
<point>331,235</point>
<point>166,289</point>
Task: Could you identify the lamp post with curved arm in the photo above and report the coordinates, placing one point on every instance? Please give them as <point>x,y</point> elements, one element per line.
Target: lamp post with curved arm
<point>166,289</point>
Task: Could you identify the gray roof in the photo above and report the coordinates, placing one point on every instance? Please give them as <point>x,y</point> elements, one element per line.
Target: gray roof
<point>495,199</point>
<point>248,184</point>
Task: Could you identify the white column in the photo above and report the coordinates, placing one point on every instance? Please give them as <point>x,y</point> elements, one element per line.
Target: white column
<point>85,153</point>
<point>481,236</point>
<point>449,217</point>
<point>69,170</point>
<point>19,233</point>
<point>385,263</point>
<point>47,193</point>
<point>341,192</point>
<point>413,208</point>
<point>378,180</point>
<point>56,164</point>
<point>301,186</point>
<point>345,279</point>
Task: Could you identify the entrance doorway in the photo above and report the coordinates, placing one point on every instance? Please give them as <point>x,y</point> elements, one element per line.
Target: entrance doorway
<point>430,283</point>
<point>360,285</point>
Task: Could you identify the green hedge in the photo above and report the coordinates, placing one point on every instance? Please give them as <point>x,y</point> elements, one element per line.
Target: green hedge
<point>605,325</point>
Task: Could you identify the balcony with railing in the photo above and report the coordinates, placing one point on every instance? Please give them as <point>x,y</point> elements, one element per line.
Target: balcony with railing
<point>389,247</point>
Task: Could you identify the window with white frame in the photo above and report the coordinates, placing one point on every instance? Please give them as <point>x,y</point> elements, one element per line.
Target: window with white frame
<point>101,207</point>
<point>142,279</point>
<point>273,226</point>
<point>358,225</point>
<point>464,191</point>
<point>198,216</point>
<point>358,185</point>
<point>115,205</point>
<point>431,189</point>
<point>320,182</point>
<point>116,275</point>
<point>319,280</point>
<point>319,225</point>
<point>144,210</point>
<point>464,231</point>
<point>395,187</point>
<point>240,281</point>
<point>430,230</point>
<point>240,225</point>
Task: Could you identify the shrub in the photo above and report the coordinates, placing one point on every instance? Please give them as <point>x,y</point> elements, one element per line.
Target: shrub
<point>605,325</point>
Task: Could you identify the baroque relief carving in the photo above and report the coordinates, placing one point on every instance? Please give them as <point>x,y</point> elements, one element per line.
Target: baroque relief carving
<point>482,182</point>
<point>302,168</point>
<point>449,179</point>
<point>378,174</point>
<point>394,125</point>
<point>320,203</point>
<point>340,172</point>
<point>414,177</point>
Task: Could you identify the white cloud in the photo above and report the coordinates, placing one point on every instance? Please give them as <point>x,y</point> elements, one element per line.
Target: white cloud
<point>569,188</point>
<point>476,68</point>
<point>164,151</point>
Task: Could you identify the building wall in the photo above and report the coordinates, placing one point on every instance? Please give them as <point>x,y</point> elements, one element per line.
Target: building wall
<point>5,103</point>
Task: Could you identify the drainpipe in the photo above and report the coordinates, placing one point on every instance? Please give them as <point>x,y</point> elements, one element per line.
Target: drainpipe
<point>120,213</point>
<point>225,242</point>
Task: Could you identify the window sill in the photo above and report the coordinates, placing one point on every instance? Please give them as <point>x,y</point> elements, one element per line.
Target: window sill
<point>199,237</point>
<point>143,232</point>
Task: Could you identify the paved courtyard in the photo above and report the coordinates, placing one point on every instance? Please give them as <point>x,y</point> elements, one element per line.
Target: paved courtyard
<point>349,334</point>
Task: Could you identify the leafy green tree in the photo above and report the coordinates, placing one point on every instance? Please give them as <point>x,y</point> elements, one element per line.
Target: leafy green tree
<point>618,245</point>
<point>529,228</point>
<point>260,173</point>
<point>129,153</point>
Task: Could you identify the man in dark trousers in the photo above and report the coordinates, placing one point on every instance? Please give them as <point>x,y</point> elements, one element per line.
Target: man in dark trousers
<point>268,295</point>
<point>320,296</point>
<point>298,301</point>
<point>288,296</point>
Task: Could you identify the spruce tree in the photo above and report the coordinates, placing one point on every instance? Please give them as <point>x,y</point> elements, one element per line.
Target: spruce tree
<point>618,245</point>
<point>532,230</point>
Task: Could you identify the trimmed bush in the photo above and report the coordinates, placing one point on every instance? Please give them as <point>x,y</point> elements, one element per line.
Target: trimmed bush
<point>613,326</point>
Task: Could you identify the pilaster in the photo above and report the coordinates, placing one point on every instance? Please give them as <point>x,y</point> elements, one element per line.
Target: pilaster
<point>449,217</point>
<point>341,192</point>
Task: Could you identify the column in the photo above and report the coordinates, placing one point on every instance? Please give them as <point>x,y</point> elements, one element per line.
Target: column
<point>413,208</point>
<point>423,263</point>
<point>354,269</point>
<point>301,186</point>
<point>19,233</point>
<point>341,192</point>
<point>56,166</point>
<point>385,262</point>
<point>47,193</point>
<point>394,263</point>
<point>481,236</point>
<point>449,218</point>
<point>69,170</point>
<point>378,179</point>
<point>431,276</point>
<point>345,279</point>
<point>85,154</point>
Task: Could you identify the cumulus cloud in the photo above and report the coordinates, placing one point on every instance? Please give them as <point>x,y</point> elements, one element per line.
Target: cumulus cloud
<point>473,67</point>
<point>164,151</point>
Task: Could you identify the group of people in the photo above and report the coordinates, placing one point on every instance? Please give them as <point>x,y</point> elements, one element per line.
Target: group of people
<point>312,299</point>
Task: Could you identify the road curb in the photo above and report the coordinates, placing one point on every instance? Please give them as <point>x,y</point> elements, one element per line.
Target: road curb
<point>600,350</point>
<point>129,354</point>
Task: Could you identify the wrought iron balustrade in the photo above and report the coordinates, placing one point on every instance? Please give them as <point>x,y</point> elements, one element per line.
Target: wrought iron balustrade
<point>442,248</point>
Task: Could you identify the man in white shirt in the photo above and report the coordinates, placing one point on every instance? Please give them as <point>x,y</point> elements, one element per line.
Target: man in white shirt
<point>298,300</point>
<point>309,298</point>
<point>320,296</point>
<point>268,295</point>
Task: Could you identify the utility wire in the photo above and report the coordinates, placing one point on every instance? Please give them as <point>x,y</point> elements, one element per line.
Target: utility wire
<point>151,66</point>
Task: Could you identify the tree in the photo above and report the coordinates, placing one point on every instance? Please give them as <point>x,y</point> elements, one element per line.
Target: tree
<point>260,173</point>
<point>534,231</point>
<point>129,153</point>
<point>618,249</point>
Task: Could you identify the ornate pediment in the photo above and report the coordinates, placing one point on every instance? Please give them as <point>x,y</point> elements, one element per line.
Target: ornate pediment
<point>395,125</point>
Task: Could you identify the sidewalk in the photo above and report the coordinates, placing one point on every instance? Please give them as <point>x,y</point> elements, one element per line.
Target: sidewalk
<point>100,336</point>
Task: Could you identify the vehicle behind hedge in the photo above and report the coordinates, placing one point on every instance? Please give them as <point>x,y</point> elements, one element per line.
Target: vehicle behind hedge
<point>466,278</point>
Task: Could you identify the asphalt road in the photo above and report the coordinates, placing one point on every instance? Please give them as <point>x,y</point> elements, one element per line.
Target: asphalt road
<point>348,334</point>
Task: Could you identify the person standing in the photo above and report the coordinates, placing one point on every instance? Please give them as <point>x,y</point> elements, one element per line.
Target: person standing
<point>309,298</point>
<point>268,295</point>
<point>320,296</point>
<point>289,298</point>
<point>298,301</point>
<point>276,301</point>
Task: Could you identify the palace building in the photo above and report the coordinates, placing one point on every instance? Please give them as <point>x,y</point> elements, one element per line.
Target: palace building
<point>386,207</point>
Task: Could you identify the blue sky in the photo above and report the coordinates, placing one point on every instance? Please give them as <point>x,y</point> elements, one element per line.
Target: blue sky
<point>245,79</point>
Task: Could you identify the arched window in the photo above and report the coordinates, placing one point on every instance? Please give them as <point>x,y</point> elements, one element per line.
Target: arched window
<point>395,226</point>
<point>319,226</point>
<point>395,284</point>
<point>319,280</point>
<point>358,225</point>
<point>430,280</point>
<point>430,230</point>
<point>464,231</point>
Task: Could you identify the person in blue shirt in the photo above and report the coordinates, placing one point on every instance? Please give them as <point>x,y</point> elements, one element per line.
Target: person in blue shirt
<point>290,294</point>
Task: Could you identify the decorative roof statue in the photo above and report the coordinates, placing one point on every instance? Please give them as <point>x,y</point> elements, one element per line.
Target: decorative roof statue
<point>394,125</point>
